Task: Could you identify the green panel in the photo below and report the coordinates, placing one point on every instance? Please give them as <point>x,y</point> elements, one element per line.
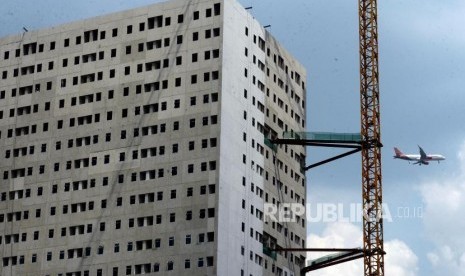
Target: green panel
<point>267,251</point>
<point>325,136</point>
<point>326,258</point>
<point>271,145</point>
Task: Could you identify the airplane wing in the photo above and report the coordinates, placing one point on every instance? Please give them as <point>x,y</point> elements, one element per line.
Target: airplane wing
<point>421,162</point>
<point>422,153</point>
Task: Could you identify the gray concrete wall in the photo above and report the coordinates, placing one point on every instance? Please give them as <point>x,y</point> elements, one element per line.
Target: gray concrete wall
<point>97,135</point>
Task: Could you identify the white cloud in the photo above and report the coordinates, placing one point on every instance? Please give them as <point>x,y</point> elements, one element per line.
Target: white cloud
<point>399,260</point>
<point>444,201</point>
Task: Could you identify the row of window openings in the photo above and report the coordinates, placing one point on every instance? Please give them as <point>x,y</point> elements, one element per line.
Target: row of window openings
<point>141,221</point>
<point>147,130</point>
<point>85,162</point>
<point>147,268</point>
<point>88,140</point>
<point>25,110</point>
<point>149,87</point>
<point>90,98</point>
<point>25,90</point>
<point>158,64</point>
<point>85,184</point>
<point>131,246</point>
<point>144,175</point>
<point>145,153</point>
<point>31,69</point>
<point>83,207</point>
<point>25,130</point>
<point>148,66</point>
<point>81,252</point>
<point>80,229</point>
<point>93,35</point>
<point>95,118</point>
<point>138,268</point>
<point>165,42</point>
<point>147,109</point>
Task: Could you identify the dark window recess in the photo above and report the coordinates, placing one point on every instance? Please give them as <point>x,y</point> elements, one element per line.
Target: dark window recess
<point>155,22</point>
<point>217,9</point>
<point>91,35</point>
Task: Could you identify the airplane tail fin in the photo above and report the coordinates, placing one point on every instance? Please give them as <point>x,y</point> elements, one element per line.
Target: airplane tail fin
<point>398,152</point>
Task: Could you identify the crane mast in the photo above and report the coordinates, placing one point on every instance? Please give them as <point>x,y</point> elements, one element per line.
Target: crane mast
<point>371,137</point>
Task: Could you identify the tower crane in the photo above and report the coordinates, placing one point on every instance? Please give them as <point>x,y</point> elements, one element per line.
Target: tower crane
<point>371,137</point>
<point>368,142</point>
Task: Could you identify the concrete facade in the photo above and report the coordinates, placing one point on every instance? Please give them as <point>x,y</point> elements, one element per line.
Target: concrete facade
<point>136,143</point>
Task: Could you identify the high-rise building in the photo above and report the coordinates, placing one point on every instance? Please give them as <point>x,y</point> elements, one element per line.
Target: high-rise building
<point>138,142</point>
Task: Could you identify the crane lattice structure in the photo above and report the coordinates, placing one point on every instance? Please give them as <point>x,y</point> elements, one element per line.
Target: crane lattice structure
<point>371,135</point>
<point>369,143</point>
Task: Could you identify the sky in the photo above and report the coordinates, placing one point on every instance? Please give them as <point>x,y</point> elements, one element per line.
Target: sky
<point>422,94</point>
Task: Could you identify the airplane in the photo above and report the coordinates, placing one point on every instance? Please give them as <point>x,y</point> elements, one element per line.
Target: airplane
<point>421,159</point>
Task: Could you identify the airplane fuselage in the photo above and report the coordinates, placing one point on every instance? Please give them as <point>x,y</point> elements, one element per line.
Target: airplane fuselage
<point>419,158</point>
<point>416,157</point>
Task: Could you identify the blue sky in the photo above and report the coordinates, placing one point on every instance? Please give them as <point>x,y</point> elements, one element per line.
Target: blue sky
<point>422,80</point>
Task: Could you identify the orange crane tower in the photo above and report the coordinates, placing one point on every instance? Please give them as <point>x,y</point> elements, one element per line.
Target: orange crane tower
<point>371,137</point>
